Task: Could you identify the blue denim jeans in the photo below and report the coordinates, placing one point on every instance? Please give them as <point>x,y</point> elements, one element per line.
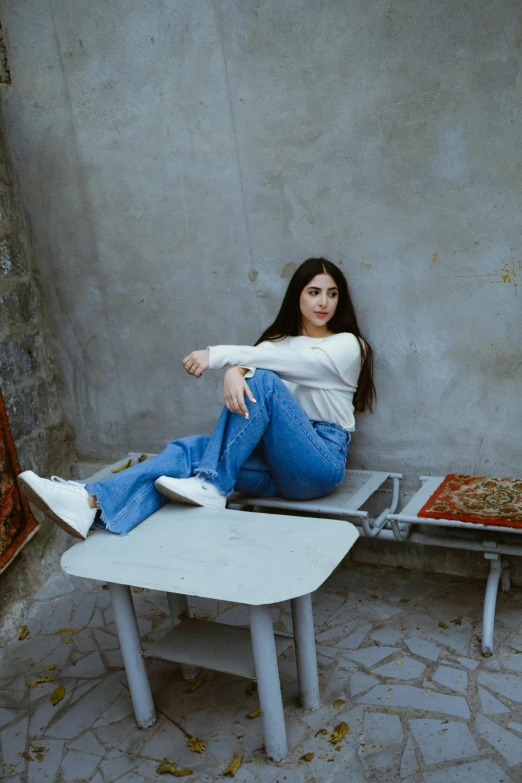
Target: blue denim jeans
<point>277,451</point>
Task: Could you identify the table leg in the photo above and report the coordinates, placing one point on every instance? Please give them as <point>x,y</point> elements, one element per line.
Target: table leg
<point>303,620</point>
<point>490,601</point>
<point>268,685</point>
<point>130,644</point>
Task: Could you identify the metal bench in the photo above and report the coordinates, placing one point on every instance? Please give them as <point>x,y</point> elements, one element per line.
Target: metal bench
<point>254,559</point>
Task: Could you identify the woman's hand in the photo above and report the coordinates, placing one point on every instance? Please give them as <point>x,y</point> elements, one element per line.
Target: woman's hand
<point>196,362</point>
<point>235,387</point>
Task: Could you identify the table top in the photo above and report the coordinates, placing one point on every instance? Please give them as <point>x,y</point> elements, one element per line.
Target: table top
<point>250,558</point>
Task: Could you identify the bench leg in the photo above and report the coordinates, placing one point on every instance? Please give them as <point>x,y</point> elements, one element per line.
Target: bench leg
<point>490,600</point>
<point>268,685</point>
<point>130,644</point>
<point>303,619</point>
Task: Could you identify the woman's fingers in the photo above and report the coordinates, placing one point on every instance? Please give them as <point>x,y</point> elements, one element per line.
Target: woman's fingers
<point>248,391</point>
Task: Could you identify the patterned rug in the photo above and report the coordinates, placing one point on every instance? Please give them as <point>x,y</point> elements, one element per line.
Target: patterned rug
<point>481,499</point>
<point>17,525</point>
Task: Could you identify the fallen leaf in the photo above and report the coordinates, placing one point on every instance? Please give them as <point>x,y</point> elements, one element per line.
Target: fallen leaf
<point>234,765</point>
<point>374,596</point>
<point>339,703</point>
<point>122,467</point>
<point>254,713</point>
<point>389,696</point>
<point>404,627</point>
<point>52,668</point>
<point>57,695</point>
<point>194,686</point>
<point>126,695</point>
<point>25,755</point>
<point>169,767</point>
<point>65,629</point>
<point>308,757</point>
<point>142,458</point>
<point>36,747</point>
<point>404,600</point>
<point>326,758</point>
<point>24,632</point>
<point>443,625</point>
<point>321,732</point>
<point>340,731</point>
<point>398,663</point>
<point>105,587</point>
<point>34,683</point>
<point>196,745</point>
<point>251,689</point>
<point>457,621</point>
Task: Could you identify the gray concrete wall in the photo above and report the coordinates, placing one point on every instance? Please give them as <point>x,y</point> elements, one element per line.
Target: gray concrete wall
<point>175,157</point>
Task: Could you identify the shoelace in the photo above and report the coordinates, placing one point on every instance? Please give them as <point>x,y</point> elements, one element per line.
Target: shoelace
<point>74,484</point>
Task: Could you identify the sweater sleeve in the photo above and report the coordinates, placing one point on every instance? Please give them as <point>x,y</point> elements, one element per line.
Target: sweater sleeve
<point>333,364</point>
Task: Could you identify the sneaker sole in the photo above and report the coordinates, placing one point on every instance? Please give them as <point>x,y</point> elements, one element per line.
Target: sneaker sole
<point>171,494</point>
<point>32,495</point>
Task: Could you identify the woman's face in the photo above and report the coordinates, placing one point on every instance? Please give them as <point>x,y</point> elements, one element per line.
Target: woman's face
<point>318,302</point>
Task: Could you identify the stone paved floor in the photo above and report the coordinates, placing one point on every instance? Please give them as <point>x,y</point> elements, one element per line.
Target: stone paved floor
<point>400,663</point>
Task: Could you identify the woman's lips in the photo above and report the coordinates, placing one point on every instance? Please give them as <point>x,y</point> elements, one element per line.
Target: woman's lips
<point>322,315</point>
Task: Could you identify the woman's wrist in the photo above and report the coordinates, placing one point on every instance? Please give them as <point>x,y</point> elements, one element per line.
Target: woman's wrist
<point>242,370</point>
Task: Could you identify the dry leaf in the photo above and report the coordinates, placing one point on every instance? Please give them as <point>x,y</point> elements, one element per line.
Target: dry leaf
<point>326,758</point>
<point>24,632</point>
<point>443,625</point>
<point>389,696</point>
<point>34,683</point>
<point>58,695</point>
<point>404,600</point>
<point>126,695</point>
<point>457,621</point>
<point>25,755</point>
<point>254,713</point>
<point>169,767</point>
<point>321,732</point>
<point>122,467</point>
<point>252,688</point>
<point>234,765</point>
<point>308,757</point>
<point>404,627</point>
<point>374,596</point>
<point>339,703</point>
<point>36,747</point>
<point>340,731</point>
<point>398,663</point>
<point>52,668</point>
<point>65,629</point>
<point>194,686</point>
<point>196,745</point>
<point>142,458</point>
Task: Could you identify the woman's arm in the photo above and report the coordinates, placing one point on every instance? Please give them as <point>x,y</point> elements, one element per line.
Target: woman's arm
<point>335,363</point>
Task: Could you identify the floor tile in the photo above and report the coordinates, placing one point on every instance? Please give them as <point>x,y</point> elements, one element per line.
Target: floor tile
<point>424,648</point>
<point>405,668</point>
<point>516,727</point>
<point>84,611</point>
<point>44,771</point>
<point>456,679</point>
<point>61,617</point>
<point>13,742</point>
<point>361,682</point>
<point>78,764</point>
<point>338,632</point>
<point>87,710</point>
<point>387,636</point>
<point>486,771</point>
<point>369,656</point>
<point>416,698</point>
<point>383,729</point>
<point>490,705</point>
<point>89,744</point>
<point>409,764</point>
<point>89,667</point>
<point>354,640</point>
<point>508,685</point>
<point>441,741</point>
<point>507,744</point>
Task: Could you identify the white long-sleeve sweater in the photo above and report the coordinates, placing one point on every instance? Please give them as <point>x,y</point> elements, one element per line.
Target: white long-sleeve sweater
<point>321,372</point>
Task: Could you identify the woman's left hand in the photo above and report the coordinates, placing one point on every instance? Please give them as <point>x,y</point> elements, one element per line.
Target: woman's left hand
<point>196,362</point>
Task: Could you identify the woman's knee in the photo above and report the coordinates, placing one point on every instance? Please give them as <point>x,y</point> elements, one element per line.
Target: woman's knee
<point>265,379</point>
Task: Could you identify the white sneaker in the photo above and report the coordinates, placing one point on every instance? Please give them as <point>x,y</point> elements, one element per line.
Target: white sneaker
<point>194,491</point>
<point>65,502</point>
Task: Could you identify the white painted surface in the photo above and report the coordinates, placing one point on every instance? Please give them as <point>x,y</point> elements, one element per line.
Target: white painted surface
<point>216,646</point>
<point>420,498</point>
<point>250,558</point>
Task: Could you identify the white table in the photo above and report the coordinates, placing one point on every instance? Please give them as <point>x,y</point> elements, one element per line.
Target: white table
<point>250,558</point>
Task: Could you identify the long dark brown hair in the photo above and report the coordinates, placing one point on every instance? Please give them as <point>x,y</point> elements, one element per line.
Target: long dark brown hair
<point>288,322</point>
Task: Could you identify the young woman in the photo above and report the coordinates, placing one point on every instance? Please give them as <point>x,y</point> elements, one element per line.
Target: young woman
<point>285,428</point>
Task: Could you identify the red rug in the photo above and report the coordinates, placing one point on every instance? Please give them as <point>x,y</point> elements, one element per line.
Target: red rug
<point>480,499</point>
<point>17,525</point>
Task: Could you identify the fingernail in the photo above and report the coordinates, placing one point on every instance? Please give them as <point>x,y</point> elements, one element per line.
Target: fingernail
<point>254,400</point>
<point>247,415</point>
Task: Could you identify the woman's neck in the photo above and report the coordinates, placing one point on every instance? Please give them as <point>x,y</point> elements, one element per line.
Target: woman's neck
<point>315,331</point>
